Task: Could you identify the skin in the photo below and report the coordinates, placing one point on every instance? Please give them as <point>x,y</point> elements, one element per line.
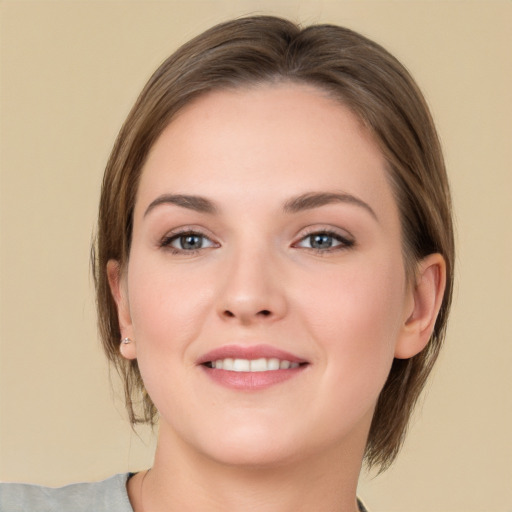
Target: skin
<point>347,310</point>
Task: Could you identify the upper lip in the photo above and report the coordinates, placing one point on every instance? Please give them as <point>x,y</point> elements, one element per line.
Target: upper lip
<point>248,352</point>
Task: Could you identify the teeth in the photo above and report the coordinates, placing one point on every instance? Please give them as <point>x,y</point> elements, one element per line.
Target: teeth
<point>253,365</point>
<point>258,365</point>
<point>241,365</point>
<point>227,364</point>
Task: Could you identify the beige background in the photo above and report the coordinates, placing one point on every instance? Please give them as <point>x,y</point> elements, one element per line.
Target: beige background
<point>69,73</point>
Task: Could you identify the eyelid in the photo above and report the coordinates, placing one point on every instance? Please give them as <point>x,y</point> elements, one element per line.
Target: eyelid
<point>165,241</point>
<point>344,237</point>
<point>325,228</point>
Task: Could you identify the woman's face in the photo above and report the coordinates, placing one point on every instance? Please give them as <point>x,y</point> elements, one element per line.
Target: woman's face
<point>265,236</point>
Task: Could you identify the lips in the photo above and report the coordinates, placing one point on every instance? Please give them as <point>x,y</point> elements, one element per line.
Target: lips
<point>250,367</point>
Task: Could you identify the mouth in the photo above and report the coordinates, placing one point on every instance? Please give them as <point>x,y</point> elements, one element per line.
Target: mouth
<point>251,368</point>
<point>252,365</point>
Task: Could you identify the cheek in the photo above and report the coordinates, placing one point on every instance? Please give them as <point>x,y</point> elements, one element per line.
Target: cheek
<point>167,306</point>
<point>355,315</point>
<point>168,310</point>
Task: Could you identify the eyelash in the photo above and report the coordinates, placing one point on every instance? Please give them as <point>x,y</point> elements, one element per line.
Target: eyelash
<point>344,242</point>
<point>167,240</point>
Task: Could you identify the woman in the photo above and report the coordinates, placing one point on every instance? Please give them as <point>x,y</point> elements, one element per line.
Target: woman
<point>274,268</point>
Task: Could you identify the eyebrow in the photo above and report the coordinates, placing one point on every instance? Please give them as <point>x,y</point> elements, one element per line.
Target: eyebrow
<point>316,199</point>
<point>297,204</point>
<point>196,203</point>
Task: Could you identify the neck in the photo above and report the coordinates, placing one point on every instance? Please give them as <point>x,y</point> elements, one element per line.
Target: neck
<point>184,480</point>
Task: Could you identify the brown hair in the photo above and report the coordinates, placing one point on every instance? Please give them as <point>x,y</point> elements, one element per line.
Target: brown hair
<point>360,74</point>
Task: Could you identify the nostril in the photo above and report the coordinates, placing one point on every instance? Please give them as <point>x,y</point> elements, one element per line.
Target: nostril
<point>263,313</point>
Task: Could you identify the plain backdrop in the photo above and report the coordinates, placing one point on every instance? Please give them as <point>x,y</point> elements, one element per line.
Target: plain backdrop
<point>70,71</point>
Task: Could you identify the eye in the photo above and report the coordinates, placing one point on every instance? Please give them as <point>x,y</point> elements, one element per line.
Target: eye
<point>188,242</point>
<point>323,241</point>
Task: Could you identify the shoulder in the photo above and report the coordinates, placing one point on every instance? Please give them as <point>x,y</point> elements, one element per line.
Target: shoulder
<point>106,496</point>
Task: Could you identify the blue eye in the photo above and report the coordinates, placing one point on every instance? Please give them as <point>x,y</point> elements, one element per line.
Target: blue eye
<point>187,242</point>
<point>324,241</point>
<point>321,241</point>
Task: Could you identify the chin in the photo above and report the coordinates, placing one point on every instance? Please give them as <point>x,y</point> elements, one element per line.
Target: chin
<point>251,446</point>
<point>261,456</point>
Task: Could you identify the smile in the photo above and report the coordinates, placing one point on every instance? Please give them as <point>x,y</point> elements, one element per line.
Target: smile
<point>252,365</point>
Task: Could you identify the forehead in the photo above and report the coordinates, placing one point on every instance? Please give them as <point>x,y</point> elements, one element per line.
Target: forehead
<point>290,138</point>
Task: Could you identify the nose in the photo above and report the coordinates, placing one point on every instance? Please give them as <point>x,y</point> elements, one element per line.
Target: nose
<point>252,290</point>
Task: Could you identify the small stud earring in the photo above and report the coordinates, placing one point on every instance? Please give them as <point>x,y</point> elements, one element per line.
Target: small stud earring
<point>126,352</point>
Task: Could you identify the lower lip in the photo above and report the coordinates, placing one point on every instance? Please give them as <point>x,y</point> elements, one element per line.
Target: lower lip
<point>251,381</point>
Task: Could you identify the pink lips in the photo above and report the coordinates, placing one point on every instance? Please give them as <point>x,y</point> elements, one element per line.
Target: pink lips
<point>250,381</point>
<point>248,352</point>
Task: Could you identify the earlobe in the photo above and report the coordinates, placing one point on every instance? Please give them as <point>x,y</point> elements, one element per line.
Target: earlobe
<point>427,296</point>
<point>119,293</point>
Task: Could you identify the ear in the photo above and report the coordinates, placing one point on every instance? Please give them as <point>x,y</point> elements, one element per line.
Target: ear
<point>426,298</point>
<point>120,294</point>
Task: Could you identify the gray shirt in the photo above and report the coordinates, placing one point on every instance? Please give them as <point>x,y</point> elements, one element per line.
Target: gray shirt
<point>107,496</point>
